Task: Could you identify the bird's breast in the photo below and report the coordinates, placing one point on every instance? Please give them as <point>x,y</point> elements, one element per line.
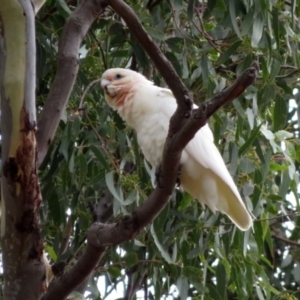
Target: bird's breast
<point>151,138</point>
<point>143,112</point>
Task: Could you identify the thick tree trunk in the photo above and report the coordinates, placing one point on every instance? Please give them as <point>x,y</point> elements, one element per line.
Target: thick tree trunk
<point>22,247</point>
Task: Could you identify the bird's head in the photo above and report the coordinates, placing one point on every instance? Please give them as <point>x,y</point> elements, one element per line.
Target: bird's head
<point>118,84</point>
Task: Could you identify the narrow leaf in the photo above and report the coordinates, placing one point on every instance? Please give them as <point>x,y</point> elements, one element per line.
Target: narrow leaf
<point>160,247</point>
<point>275,25</point>
<point>279,113</point>
<point>99,156</point>
<point>275,68</point>
<point>157,34</point>
<point>250,141</point>
<point>257,30</point>
<point>204,67</point>
<point>190,9</point>
<point>227,54</point>
<point>232,12</point>
<point>109,179</point>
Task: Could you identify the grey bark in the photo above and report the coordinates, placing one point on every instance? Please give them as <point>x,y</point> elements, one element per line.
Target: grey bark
<point>73,33</point>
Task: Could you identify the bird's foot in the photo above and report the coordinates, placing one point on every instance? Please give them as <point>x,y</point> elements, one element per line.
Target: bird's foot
<point>158,175</point>
<point>178,181</point>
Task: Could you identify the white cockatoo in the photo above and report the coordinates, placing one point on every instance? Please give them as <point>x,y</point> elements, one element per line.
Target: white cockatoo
<point>148,108</point>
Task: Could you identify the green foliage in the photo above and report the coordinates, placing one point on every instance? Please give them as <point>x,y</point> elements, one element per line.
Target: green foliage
<point>188,252</point>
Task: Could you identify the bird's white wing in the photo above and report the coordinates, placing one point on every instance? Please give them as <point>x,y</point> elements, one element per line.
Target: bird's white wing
<point>204,150</point>
<point>216,188</point>
<point>202,146</point>
<point>204,173</point>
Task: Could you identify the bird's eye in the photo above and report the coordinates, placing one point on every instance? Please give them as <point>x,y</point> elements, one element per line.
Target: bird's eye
<point>118,76</point>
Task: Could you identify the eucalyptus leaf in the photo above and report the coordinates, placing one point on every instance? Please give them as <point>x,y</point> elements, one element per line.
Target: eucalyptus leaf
<point>257,30</point>
<point>95,169</point>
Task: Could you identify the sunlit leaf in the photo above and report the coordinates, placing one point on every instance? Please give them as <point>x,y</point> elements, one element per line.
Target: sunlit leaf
<point>250,140</point>
<point>227,54</point>
<point>257,30</point>
<point>232,12</point>
<point>160,247</point>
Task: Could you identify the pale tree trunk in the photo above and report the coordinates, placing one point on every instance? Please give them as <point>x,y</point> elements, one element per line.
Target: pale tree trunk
<point>22,246</point>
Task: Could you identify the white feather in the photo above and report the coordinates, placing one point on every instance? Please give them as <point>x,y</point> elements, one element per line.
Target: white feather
<point>204,174</point>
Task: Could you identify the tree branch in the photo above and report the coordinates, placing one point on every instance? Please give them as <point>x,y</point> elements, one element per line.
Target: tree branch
<point>129,226</point>
<point>165,68</point>
<point>62,286</point>
<point>183,125</point>
<point>276,234</point>
<point>100,236</point>
<point>230,93</point>
<point>67,68</point>
<point>200,116</point>
<point>101,212</point>
<point>288,74</point>
<point>134,286</point>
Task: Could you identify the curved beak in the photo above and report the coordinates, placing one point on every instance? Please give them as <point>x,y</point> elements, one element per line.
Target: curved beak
<point>105,83</point>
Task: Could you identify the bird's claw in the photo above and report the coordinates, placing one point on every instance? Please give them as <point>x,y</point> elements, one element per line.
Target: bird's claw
<point>158,175</point>
<point>178,181</point>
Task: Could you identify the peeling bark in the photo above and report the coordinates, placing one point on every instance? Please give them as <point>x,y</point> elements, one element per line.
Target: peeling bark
<point>22,244</point>
<point>21,240</point>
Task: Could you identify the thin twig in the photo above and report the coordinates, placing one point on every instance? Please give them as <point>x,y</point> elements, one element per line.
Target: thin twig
<point>277,217</point>
<point>101,50</point>
<point>176,25</point>
<point>289,67</point>
<point>164,66</point>
<point>86,90</point>
<point>91,124</point>
<point>267,219</point>
<point>133,288</point>
<point>66,236</point>
<point>102,141</point>
<point>289,74</point>
<point>284,239</point>
<point>204,33</point>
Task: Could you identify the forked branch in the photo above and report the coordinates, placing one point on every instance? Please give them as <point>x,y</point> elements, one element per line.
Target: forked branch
<point>163,65</point>
<point>184,124</point>
<point>73,33</point>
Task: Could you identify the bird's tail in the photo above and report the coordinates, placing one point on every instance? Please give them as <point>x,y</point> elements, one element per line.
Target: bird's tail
<point>218,195</point>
